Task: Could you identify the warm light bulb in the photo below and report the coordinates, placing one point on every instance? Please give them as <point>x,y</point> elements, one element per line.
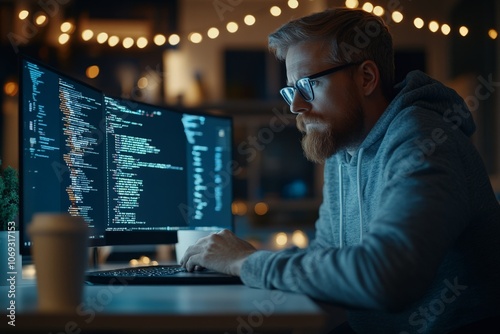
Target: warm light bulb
<point>174,39</point>
<point>195,37</point>
<point>87,34</point>
<point>232,27</point>
<point>249,20</point>
<point>213,33</point>
<point>445,29</point>
<point>10,88</point>
<point>66,27</point>
<point>63,39</point>
<point>433,26</point>
<point>128,42</point>
<point>142,82</point>
<point>299,239</point>
<point>102,37</point>
<point>493,33</point>
<point>397,16</point>
<point>418,22</point>
<point>281,239</point>
<point>142,42</point>
<point>293,4</point>
<point>113,41</point>
<point>367,7</point>
<point>159,39</point>
<point>351,3</point>
<point>378,10</point>
<point>41,19</point>
<point>463,31</point>
<point>23,14</point>
<point>261,208</point>
<point>92,71</point>
<point>275,11</point>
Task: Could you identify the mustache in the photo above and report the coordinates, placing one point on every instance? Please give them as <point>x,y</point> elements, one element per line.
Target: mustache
<point>302,119</point>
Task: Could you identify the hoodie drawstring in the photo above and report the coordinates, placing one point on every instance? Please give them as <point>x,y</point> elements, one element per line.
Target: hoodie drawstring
<point>341,206</point>
<point>360,194</point>
<point>360,200</point>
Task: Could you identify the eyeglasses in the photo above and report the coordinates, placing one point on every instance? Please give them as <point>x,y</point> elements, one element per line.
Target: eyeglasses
<point>305,85</point>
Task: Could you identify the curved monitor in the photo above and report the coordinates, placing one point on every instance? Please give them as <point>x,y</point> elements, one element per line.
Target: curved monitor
<point>137,173</point>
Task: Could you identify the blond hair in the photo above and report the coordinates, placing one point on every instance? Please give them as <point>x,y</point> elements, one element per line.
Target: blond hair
<point>354,35</point>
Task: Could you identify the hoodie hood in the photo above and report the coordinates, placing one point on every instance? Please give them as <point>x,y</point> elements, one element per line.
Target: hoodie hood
<point>420,91</point>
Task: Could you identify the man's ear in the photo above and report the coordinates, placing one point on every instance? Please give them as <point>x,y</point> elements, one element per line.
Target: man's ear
<point>369,77</point>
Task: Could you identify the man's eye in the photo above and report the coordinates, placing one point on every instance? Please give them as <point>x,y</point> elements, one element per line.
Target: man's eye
<point>313,82</point>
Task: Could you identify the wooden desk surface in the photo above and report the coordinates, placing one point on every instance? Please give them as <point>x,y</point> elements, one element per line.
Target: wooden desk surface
<point>180,308</point>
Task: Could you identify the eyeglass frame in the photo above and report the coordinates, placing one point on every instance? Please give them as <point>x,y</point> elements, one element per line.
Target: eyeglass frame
<point>312,77</point>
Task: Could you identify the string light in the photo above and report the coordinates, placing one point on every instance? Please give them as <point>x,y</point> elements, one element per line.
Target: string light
<point>232,27</point>
<point>239,208</point>
<point>433,26</point>
<point>159,39</point>
<point>397,16</point>
<point>41,19</point>
<point>195,37</point>
<point>351,3</point>
<point>261,208</point>
<point>102,37</point>
<point>418,23</point>
<point>113,41</point>
<point>249,20</point>
<point>87,34</point>
<point>128,42</point>
<point>174,39</point>
<point>379,11</point>
<point>293,4</point>
<point>275,11</point>
<point>367,7</point>
<point>213,33</point>
<point>23,14</point>
<point>142,42</point>
<point>11,88</point>
<point>281,239</point>
<point>299,239</point>
<point>142,82</point>
<point>66,27</point>
<point>63,38</point>
<point>445,29</point>
<point>493,33</point>
<point>463,30</point>
<point>92,71</point>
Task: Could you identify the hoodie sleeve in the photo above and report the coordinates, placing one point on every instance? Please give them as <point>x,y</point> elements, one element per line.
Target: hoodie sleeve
<point>421,209</point>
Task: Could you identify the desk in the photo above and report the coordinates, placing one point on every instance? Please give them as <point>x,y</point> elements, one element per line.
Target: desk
<point>172,309</point>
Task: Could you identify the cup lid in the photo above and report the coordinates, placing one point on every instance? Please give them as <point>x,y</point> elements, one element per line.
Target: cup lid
<point>57,222</point>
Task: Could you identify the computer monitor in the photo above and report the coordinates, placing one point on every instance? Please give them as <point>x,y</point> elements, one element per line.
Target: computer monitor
<point>166,170</point>
<point>62,149</point>
<point>137,173</point>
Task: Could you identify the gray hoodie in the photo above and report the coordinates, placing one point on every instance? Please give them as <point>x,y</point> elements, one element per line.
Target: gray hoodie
<point>408,234</point>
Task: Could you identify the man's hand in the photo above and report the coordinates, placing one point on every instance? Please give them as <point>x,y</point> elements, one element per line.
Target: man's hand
<point>223,252</point>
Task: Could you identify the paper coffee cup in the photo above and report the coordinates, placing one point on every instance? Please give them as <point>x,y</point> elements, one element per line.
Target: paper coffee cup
<point>59,252</point>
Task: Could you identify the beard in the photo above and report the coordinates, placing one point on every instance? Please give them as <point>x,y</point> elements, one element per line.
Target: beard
<point>321,142</point>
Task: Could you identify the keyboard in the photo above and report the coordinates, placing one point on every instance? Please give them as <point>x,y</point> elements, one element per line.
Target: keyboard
<point>161,274</point>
